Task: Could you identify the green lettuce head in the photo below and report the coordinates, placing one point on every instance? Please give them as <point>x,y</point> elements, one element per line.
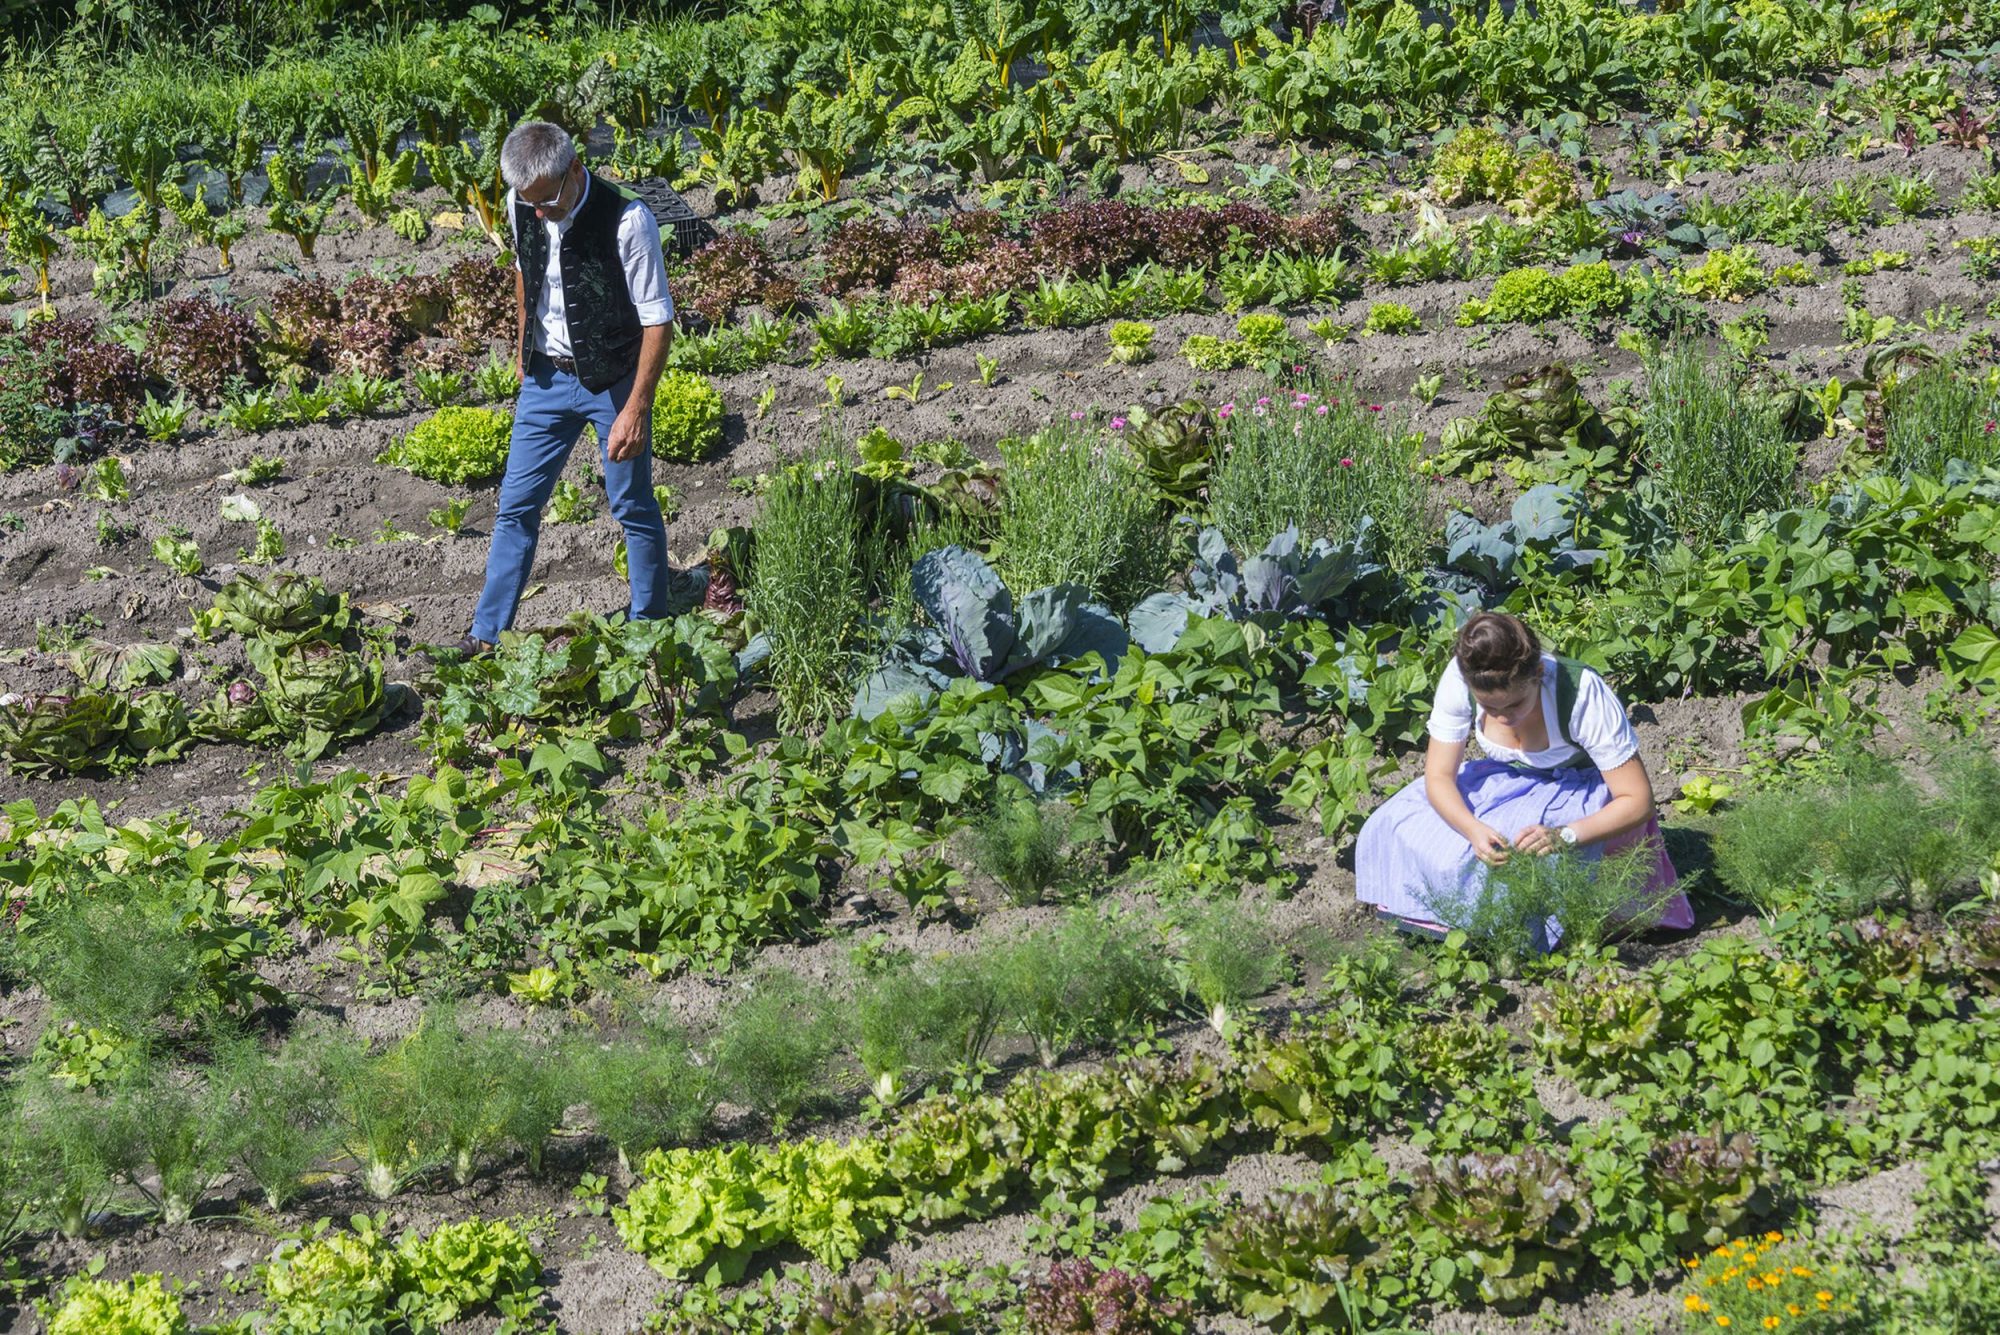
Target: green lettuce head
<point>236,714</point>
<point>66,733</point>
<point>316,694</point>
<point>156,727</point>
<point>287,607</point>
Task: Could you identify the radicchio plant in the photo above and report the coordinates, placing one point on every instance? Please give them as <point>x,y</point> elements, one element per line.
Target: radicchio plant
<point>304,319</point>
<point>1705,1184</point>
<point>732,270</point>
<point>88,370</point>
<point>202,346</point>
<point>1077,1298</point>
<point>885,1303</point>
<point>482,303</point>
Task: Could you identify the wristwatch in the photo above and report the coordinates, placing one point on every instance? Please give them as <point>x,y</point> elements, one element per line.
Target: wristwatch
<point>1567,835</point>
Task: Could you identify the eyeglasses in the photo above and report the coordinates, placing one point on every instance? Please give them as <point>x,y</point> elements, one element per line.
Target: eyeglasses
<point>546,205</point>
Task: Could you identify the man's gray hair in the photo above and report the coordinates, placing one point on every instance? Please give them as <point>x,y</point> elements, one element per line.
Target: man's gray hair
<point>535,151</point>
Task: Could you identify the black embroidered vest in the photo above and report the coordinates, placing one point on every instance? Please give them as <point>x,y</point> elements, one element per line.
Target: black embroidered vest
<point>604,328</point>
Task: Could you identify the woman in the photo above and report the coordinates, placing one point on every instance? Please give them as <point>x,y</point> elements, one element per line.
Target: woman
<point>1561,770</point>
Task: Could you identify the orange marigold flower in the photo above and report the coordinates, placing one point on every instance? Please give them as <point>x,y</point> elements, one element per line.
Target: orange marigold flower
<point>1772,1322</point>
<point>1824,1296</point>
<point>1774,1236</point>
<point>1802,1270</point>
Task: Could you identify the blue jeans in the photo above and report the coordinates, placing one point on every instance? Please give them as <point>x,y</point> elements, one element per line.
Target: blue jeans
<point>551,413</point>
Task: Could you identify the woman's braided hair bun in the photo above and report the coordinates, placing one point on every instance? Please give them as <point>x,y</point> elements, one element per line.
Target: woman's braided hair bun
<point>1496,651</point>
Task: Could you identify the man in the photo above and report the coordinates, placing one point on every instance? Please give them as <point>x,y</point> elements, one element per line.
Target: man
<point>595,321</point>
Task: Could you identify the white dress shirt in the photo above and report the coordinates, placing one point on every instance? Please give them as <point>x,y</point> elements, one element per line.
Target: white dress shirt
<point>638,250</point>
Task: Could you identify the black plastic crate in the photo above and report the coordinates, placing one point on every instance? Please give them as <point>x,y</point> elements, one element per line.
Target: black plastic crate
<point>676,219</point>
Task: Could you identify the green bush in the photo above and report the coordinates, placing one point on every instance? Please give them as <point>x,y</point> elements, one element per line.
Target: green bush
<point>806,579</point>
<point>1088,979</point>
<point>687,417</point>
<point>1023,844</point>
<point>1591,289</point>
<point>1340,465</point>
<point>779,1046</point>
<point>1718,451</point>
<point>1872,839</point>
<point>1206,352</point>
<point>138,1306</point>
<point>928,1016</point>
<point>1390,317</point>
<point>1545,183</point>
<point>454,445</point>
<point>1077,510</point>
<point>1525,296</point>
<point>647,1093</point>
<point>1936,416</point>
<point>1262,333</point>
<point>1724,275</point>
<point>359,1281</point>
<point>1477,164</point>
<point>1507,918</point>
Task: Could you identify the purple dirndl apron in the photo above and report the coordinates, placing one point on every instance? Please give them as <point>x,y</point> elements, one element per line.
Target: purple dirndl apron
<point>1408,858</point>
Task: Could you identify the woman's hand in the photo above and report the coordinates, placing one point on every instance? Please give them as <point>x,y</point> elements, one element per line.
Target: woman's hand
<point>1488,845</point>
<point>1541,840</point>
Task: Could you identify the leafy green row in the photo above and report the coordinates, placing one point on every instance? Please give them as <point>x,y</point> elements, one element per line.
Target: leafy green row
<point>1743,1088</point>
<point>361,1280</point>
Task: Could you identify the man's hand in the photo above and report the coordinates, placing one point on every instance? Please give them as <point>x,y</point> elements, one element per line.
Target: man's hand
<point>1489,845</point>
<point>628,436</point>
<point>1538,839</point>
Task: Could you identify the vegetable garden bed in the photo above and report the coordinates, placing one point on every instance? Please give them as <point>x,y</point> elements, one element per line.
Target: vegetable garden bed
<point>951,924</point>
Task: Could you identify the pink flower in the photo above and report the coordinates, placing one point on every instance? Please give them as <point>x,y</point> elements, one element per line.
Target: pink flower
<point>1076,417</point>
<point>1117,424</point>
<point>1347,463</point>
<point>1264,402</point>
<point>1260,410</point>
<point>1374,407</point>
<point>1298,370</point>
<point>1989,426</point>
<point>1225,410</point>
<point>1321,410</point>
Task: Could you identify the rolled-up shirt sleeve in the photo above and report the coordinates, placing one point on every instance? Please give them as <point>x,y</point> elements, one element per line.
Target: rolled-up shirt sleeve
<point>645,265</point>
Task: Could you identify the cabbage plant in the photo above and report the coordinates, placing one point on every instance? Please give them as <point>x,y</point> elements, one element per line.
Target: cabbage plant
<point>1281,583</point>
<point>976,630</point>
<point>1479,559</point>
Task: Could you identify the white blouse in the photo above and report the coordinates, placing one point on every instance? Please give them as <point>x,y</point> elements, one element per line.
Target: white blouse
<point>1597,722</point>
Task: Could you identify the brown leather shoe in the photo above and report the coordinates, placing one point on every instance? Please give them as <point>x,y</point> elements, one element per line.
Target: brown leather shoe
<point>470,647</point>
